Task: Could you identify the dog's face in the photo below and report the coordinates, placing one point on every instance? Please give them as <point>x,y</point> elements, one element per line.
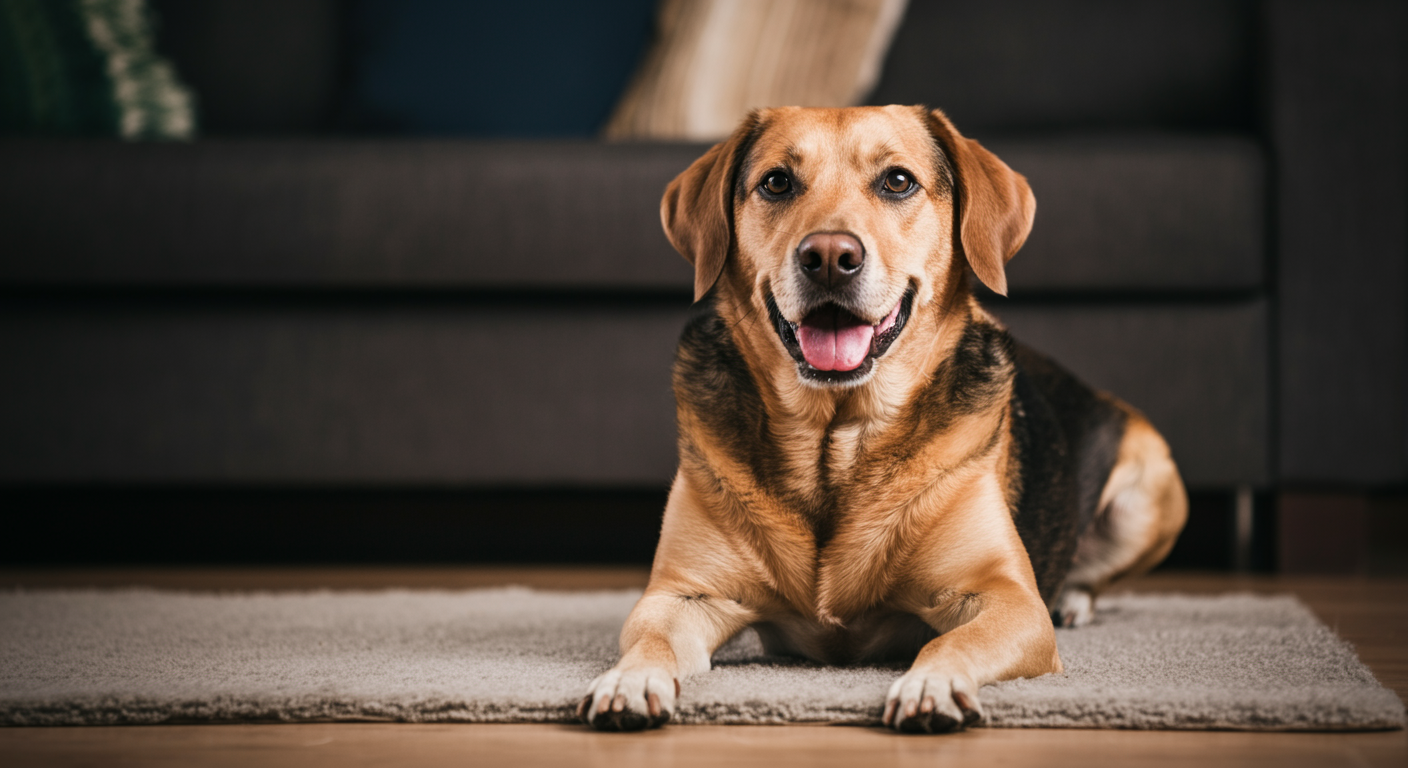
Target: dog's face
<point>842,226</point>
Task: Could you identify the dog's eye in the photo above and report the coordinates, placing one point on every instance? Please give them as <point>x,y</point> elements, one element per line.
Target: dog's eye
<point>898,181</point>
<point>777,183</point>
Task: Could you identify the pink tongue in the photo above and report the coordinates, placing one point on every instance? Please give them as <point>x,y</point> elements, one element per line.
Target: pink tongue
<point>830,346</point>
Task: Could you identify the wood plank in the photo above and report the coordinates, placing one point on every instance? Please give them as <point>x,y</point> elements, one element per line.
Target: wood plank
<point>310,746</point>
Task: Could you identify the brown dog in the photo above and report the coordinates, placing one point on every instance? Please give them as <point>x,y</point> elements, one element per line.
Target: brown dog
<point>870,467</point>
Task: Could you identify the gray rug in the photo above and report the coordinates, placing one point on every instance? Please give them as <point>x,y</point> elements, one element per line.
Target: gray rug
<point>515,655</point>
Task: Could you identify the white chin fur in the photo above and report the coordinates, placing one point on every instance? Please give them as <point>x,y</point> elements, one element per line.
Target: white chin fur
<point>846,384</point>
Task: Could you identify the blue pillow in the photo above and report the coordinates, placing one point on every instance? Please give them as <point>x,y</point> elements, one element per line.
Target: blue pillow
<point>517,68</point>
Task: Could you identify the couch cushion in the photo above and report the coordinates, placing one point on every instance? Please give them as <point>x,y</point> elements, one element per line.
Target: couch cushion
<point>1150,213</point>
<point>295,390</point>
<point>385,214</point>
<point>415,390</point>
<point>1200,372</point>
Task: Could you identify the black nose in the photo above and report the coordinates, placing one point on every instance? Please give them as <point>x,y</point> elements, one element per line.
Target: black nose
<point>830,259</point>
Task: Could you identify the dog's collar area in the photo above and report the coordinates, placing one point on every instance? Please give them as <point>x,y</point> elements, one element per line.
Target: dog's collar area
<point>879,344</point>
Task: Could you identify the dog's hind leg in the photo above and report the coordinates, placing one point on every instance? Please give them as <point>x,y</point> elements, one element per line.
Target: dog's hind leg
<point>1141,512</point>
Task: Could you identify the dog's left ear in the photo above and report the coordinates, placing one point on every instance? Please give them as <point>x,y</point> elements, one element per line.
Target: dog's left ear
<point>995,204</point>
<point>697,210</point>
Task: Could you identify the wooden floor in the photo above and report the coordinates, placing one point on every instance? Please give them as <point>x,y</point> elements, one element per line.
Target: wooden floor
<point>1373,614</point>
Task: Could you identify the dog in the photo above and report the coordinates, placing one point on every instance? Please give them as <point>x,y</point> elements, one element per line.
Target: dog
<point>870,467</point>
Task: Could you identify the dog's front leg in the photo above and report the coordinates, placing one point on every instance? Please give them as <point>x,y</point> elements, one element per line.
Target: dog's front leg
<point>1009,635</point>
<point>670,634</point>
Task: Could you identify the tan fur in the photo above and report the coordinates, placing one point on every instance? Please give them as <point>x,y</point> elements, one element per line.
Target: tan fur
<point>923,529</point>
<point>1142,510</point>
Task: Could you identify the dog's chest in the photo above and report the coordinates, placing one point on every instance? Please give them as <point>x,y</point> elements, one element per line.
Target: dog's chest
<point>829,474</point>
<point>842,450</point>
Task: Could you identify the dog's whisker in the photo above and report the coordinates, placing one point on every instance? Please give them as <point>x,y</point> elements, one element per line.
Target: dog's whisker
<point>750,314</point>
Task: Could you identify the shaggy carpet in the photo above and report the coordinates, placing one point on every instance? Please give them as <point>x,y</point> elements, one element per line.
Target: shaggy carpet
<point>516,655</point>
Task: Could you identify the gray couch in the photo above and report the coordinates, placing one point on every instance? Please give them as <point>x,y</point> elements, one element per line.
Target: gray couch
<point>1220,239</point>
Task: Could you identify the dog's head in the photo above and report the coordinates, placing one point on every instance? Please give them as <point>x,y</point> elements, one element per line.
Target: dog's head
<point>845,228</point>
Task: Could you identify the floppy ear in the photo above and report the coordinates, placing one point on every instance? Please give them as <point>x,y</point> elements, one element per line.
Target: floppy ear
<point>697,210</point>
<point>995,204</point>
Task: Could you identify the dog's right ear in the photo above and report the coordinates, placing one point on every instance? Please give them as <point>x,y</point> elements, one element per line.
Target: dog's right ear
<point>697,210</point>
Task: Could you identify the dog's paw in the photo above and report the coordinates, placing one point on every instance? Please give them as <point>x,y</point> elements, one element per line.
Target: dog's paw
<point>1075,607</point>
<point>929,702</point>
<point>629,700</point>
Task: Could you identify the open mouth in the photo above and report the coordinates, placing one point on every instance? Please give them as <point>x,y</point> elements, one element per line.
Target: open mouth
<point>833,346</point>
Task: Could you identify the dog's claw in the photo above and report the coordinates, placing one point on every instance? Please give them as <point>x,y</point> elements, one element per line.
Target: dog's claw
<point>628,721</point>
<point>629,700</point>
<point>922,702</point>
<point>929,722</point>
<point>972,712</point>
<point>621,721</point>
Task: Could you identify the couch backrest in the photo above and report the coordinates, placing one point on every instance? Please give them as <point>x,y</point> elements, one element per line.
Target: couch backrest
<point>290,66</point>
<point>1020,65</point>
<point>257,66</point>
